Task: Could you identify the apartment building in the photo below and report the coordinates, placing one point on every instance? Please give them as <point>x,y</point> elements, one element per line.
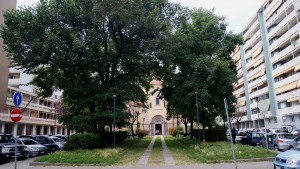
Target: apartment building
<point>40,117</point>
<point>268,66</point>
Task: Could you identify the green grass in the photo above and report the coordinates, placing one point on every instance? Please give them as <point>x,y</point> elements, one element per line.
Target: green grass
<point>126,153</point>
<point>156,157</point>
<point>187,151</point>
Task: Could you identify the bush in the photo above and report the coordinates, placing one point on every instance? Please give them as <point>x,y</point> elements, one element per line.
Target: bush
<point>212,135</point>
<point>173,131</point>
<point>83,141</point>
<point>180,130</point>
<point>141,133</point>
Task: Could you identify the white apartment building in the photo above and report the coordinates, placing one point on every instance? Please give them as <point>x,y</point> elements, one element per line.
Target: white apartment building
<point>268,66</point>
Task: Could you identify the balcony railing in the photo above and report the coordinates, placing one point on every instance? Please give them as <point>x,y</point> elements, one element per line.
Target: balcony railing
<point>252,40</point>
<point>283,23</point>
<point>288,95</point>
<point>259,92</point>
<point>285,52</point>
<point>287,80</point>
<point>284,37</point>
<point>256,70</point>
<point>257,81</point>
<point>279,12</point>
<point>32,106</point>
<point>14,70</point>
<point>31,120</point>
<point>289,64</point>
<point>289,110</point>
<point>14,82</point>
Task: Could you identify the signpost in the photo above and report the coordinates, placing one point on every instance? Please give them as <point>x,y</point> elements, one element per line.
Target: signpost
<point>263,106</point>
<point>16,116</point>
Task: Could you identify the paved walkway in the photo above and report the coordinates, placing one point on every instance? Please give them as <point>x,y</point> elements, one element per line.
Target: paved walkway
<point>144,159</point>
<point>167,155</point>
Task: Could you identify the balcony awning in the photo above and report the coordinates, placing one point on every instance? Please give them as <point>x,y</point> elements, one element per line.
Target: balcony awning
<point>258,62</point>
<point>273,9</point>
<point>297,67</point>
<point>257,52</point>
<point>258,74</point>
<point>298,85</point>
<point>286,87</point>
<point>293,99</point>
<point>284,71</point>
<point>237,58</point>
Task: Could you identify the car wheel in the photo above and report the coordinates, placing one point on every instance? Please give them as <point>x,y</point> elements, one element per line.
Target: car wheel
<point>276,148</point>
<point>291,147</point>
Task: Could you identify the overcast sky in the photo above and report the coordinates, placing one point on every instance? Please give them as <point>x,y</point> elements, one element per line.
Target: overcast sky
<point>237,12</point>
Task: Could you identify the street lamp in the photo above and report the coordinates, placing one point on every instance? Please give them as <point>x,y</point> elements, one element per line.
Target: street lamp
<point>114,116</point>
<point>196,93</point>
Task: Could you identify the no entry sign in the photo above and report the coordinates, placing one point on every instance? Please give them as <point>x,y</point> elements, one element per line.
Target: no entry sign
<point>15,115</point>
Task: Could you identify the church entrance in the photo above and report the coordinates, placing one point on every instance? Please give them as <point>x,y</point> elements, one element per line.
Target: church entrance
<point>158,130</point>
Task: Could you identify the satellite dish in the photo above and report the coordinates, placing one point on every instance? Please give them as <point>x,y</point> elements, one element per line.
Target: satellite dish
<point>263,105</point>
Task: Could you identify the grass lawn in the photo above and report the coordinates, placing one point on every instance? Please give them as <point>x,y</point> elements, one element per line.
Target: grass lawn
<point>187,151</point>
<point>126,153</point>
<point>156,157</point>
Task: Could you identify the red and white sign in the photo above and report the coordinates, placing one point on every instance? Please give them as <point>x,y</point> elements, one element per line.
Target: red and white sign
<point>15,115</point>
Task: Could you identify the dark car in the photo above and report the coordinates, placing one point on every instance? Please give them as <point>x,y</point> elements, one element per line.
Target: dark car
<point>44,140</point>
<point>7,148</point>
<point>252,138</point>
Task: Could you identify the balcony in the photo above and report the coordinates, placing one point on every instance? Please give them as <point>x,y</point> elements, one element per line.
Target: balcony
<point>259,92</point>
<point>14,71</point>
<point>256,70</point>
<point>257,81</point>
<point>289,110</point>
<point>288,95</point>
<point>282,24</point>
<point>285,37</point>
<point>287,80</point>
<point>32,106</point>
<point>287,65</point>
<point>240,80</point>
<point>286,51</point>
<point>252,40</point>
<point>30,120</point>
<point>279,12</point>
<point>14,82</point>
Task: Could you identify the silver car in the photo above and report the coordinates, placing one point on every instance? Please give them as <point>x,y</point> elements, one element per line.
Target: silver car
<point>278,141</point>
<point>289,159</point>
<point>295,143</point>
<point>33,147</point>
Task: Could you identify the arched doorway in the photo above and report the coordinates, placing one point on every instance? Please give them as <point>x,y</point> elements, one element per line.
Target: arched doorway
<point>158,125</point>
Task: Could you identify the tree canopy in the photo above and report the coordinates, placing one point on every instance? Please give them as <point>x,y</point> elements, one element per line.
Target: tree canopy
<point>94,49</point>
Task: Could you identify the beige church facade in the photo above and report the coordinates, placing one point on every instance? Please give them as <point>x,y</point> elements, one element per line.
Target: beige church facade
<point>153,119</point>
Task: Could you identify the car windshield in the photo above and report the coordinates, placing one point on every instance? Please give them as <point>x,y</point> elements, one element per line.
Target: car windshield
<point>29,142</point>
<point>258,135</point>
<point>7,139</point>
<point>44,139</point>
<point>286,136</point>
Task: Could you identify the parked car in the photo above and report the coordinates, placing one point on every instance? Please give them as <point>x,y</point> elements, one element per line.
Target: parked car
<point>295,143</point>
<point>279,141</point>
<point>44,140</point>
<point>7,148</point>
<point>58,141</point>
<point>33,147</point>
<point>296,132</point>
<point>63,137</point>
<point>239,136</point>
<point>252,138</point>
<point>289,159</point>
<point>276,130</point>
<point>288,128</point>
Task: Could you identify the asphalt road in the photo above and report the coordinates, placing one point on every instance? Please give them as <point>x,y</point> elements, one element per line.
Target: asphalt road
<point>24,164</point>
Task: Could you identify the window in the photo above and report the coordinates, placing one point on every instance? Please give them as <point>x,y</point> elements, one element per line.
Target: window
<point>292,118</point>
<point>275,120</point>
<point>157,101</point>
<point>150,105</point>
<point>269,121</point>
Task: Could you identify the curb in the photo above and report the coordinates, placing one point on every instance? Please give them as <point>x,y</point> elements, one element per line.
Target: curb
<point>209,162</point>
<point>244,160</point>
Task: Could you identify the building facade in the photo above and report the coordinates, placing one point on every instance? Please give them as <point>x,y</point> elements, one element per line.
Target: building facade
<point>154,117</point>
<point>268,66</point>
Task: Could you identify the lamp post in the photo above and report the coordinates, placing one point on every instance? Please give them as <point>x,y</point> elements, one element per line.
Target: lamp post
<point>257,103</point>
<point>114,116</point>
<point>196,93</point>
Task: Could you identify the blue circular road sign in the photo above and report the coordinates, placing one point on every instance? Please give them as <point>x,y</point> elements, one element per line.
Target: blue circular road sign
<point>17,98</point>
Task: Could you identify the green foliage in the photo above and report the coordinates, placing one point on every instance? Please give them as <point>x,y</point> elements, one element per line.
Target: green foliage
<point>212,135</point>
<point>141,132</point>
<point>180,130</point>
<point>83,141</point>
<point>173,131</point>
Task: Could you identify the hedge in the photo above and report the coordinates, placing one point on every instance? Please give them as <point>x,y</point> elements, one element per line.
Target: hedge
<point>212,135</point>
<point>93,141</point>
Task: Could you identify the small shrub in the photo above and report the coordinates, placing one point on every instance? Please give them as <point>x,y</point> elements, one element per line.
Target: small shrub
<point>180,130</point>
<point>141,133</point>
<point>173,131</point>
<point>83,141</point>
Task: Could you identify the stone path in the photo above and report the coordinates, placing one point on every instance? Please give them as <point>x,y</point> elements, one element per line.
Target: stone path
<point>144,159</point>
<point>167,155</point>
<point>168,159</point>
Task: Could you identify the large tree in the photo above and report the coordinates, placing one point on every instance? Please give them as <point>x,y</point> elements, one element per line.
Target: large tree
<point>90,49</point>
<point>200,63</point>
